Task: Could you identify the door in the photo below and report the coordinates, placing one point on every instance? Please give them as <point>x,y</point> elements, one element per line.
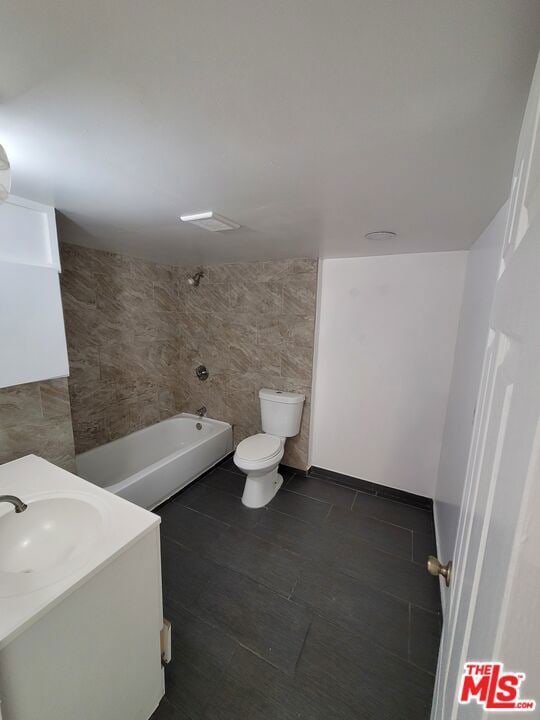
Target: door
<point>500,494</point>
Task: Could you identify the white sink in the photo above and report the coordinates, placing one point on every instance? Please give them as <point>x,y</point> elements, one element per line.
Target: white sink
<point>47,542</point>
<point>70,531</point>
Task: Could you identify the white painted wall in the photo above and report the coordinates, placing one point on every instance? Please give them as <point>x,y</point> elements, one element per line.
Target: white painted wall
<point>482,269</point>
<point>387,329</point>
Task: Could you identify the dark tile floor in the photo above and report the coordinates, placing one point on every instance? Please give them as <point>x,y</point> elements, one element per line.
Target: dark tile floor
<point>318,606</point>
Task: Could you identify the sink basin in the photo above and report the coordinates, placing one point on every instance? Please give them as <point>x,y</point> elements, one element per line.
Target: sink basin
<point>46,542</point>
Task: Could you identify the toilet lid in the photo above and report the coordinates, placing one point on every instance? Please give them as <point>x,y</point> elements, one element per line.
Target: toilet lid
<point>259,447</point>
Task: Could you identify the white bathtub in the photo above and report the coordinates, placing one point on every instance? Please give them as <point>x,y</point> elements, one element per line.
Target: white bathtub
<point>148,466</point>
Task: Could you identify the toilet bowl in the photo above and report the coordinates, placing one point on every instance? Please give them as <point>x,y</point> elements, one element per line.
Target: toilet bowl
<point>259,455</point>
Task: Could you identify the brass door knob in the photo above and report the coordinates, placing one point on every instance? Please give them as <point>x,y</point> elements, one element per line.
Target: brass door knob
<point>435,567</point>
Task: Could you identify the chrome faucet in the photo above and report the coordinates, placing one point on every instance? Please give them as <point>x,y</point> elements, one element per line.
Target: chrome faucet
<point>201,412</point>
<point>15,501</point>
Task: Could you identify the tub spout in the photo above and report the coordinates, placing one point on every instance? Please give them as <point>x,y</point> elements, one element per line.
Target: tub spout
<point>201,412</point>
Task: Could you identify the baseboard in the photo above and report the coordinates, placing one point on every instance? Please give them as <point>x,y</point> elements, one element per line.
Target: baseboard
<point>390,493</point>
<point>289,469</point>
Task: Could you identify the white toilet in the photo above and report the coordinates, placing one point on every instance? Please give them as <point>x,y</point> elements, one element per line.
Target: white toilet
<point>259,455</point>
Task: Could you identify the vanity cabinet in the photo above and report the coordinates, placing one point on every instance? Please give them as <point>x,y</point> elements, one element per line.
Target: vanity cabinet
<point>96,655</point>
<point>86,646</point>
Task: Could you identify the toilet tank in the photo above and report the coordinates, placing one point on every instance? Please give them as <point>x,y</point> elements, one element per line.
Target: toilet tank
<point>281,412</point>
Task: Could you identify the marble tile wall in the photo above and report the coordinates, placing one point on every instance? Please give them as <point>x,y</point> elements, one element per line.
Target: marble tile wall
<point>252,325</point>
<point>136,332</point>
<point>122,333</point>
<point>35,418</point>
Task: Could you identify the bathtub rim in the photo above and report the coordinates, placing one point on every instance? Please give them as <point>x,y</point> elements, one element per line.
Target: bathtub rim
<point>130,479</point>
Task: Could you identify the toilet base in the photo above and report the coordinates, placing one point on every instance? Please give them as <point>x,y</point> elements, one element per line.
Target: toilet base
<point>260,489</point>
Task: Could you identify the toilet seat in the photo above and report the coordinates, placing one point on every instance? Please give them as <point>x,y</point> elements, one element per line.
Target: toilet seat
<point>259,447</point>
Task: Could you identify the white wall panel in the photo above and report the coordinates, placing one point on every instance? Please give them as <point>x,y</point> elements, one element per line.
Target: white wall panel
<point>384,356</point>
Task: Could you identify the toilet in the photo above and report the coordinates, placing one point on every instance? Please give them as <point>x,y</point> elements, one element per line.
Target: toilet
<point>259,455</point>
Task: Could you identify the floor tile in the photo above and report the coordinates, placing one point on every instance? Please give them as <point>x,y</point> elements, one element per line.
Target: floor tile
<point>198,643</point>
<point>184,572</point>
<point>201,654</point>
<point>224,507</point>
<point>190,689</point>
<point>229,465</point>
<point>425,638</point>
<point>399,577</point>
<point>391,538</point>
<point>354,606</point>
<point>309,541</point>
<point>286,473</point>
<point>235,701</point>
<point>189,527</point>
<point>188,493</point>
<point>370,680</point>
<point>225,480</point>
<point>322,490</point>
<point>260,560</point>
<point>260,619</point>
<point>294,612</point>
<point>304,508</point>
<point>167,711</point>
<point>423,546</point>
<point>394,512</point>
<point>252,676</point>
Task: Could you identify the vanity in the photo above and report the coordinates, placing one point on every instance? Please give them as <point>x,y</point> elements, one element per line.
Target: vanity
<point>80,600</point>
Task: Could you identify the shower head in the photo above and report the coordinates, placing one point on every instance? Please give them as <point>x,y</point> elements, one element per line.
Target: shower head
<point>195,279</point>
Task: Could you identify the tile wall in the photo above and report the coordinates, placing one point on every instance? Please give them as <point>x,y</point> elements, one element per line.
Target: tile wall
<point>35,418</point>
<point>136,332</point>
<point>122,333</point>
<point>252,325</point>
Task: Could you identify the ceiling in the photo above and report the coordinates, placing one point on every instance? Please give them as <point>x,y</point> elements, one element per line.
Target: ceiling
<point>308,122</point>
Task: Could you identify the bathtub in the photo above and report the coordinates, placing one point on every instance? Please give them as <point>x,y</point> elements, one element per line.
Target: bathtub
<point>148,466</point>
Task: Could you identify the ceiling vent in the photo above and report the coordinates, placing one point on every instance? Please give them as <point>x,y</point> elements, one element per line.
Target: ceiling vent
<point>210,221</point>
<point>380,235</point>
